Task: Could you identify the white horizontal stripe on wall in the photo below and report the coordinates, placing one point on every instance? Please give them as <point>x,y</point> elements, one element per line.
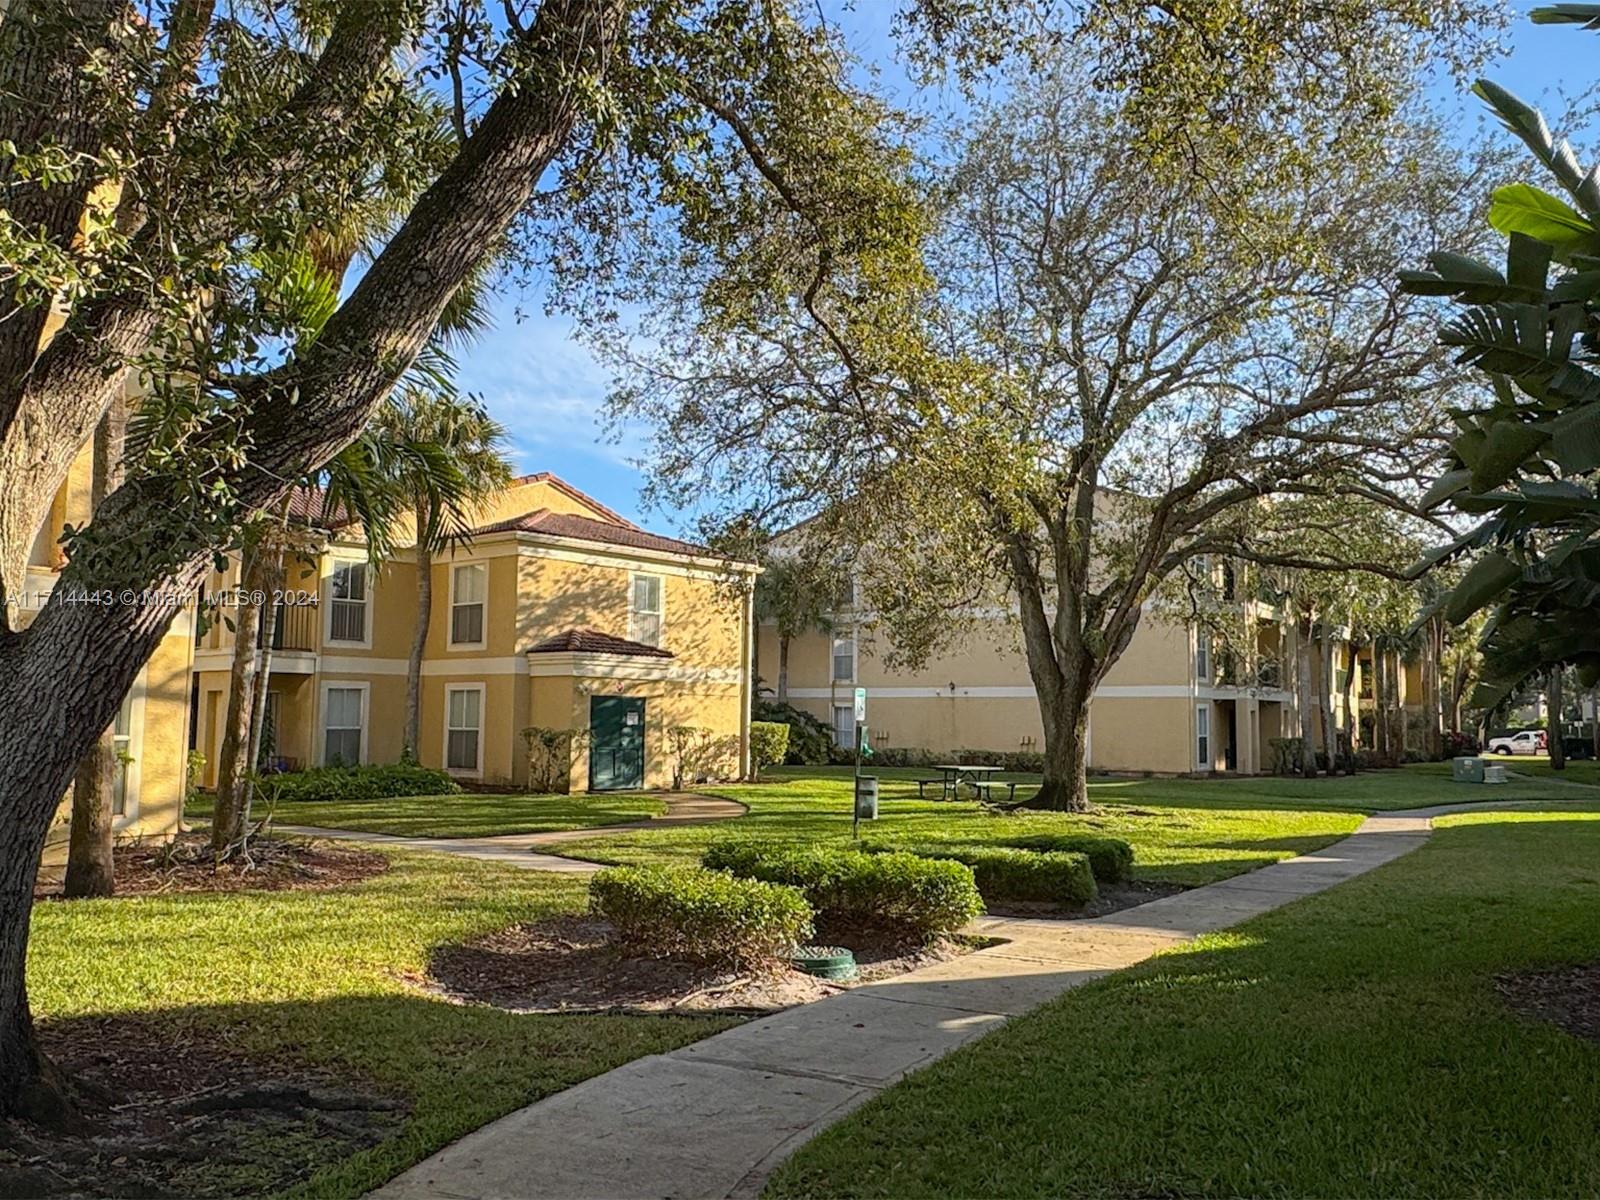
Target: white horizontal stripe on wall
<point>1151,691</point>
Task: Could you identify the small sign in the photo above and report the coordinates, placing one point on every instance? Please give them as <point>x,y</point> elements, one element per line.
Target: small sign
<point>861,704</point>
<point>631,718</point>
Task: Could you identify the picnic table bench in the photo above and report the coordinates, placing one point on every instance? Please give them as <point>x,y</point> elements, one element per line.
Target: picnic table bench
<point>953,775</point>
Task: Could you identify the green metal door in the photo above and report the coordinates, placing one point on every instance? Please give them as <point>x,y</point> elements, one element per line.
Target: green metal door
<point>616,743</point>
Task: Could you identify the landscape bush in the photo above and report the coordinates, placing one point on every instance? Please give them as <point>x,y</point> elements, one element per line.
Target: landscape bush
<point>908,756</point>
<point>710,917</point>
<point>321,784</point>
<point>1010,872</point>
<point>895,893</point>
<point>810,738</point>
<point>1025,762</point>
<point>1110,858</point>
<point>769,744</point>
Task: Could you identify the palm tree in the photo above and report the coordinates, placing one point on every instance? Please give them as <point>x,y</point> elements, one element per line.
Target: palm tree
<point>796,595</point>
<point>448,459</point>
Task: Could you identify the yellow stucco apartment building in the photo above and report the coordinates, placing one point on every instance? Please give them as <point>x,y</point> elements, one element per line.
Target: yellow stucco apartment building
<point>558,615</point>
<point>152,727</point>
<point>1172,704</point>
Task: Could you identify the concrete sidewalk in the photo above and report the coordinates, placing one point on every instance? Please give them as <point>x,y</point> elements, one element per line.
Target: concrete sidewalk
<point>522,849</point>
<point>714,1118</point>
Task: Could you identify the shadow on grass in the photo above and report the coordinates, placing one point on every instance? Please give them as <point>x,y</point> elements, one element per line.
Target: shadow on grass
<point>330,1096</point>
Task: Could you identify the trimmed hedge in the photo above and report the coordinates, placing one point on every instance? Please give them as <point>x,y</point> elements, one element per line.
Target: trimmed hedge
<point>362,783</point>
<point>1110,858</point>
<point>896,893</point>
<point>1010,873</point>
<point>769,743</point>
<point>810,740</point>
<point>707,916</point>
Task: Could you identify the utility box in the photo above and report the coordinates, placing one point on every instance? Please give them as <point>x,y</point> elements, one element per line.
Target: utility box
<point>867,797</point>
<point>1467,770</point>
<point>1496,773</point>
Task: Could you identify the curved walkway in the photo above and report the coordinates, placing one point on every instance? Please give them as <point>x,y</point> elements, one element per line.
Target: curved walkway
<point>522,849</point>
<point>714,1118</point>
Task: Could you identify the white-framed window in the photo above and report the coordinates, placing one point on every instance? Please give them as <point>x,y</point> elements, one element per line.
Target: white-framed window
<point>349,602</point>
<point>126,735</point>
<point>1202,735</point>
<point>469,602</point>
<point>844,726</point>
<point>344,723</point>
<point>844,658</point>
<point>1202,654</point>
<point>463,728</point>
<point>645,610</point>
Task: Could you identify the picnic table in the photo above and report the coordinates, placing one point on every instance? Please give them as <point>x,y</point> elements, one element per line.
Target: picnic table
<point>953,775</point>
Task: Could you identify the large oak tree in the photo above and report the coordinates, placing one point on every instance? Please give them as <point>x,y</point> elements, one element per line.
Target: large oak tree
<point>1109,370</point>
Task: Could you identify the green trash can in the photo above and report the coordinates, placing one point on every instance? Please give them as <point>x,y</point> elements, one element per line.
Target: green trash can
<point>867,797</point>
<point>1466,770</point>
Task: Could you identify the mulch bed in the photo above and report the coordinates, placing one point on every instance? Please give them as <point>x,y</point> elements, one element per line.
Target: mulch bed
<point>271,864</point>
<point>1567,997</point>
<point>1112,897</point>
<point>570,964</point>
<point>182,1113</point>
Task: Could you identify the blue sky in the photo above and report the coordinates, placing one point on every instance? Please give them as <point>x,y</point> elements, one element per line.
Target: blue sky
<point>548,391</point>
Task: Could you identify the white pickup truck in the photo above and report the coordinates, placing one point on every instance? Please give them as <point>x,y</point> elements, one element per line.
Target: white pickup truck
<point>1529,741</point>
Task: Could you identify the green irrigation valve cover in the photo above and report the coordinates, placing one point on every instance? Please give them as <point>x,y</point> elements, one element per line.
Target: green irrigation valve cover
<point>825,962</point>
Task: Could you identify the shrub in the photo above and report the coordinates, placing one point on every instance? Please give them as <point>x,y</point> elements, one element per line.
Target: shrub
<point>769,744</point>
<point>705,916</point>
<point>1024,761</point>
<point>909,756</point>
<point>1110,858</point>
<point>550,753</point>
<point>896,893</point>
<point>364,783</point>
<point>810,739</point>
<point>1458,745</point>
<point>1013,873</point>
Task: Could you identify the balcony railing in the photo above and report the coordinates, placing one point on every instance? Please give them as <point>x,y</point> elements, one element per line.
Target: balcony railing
<point>296,628</point>
<point>1268,673</point>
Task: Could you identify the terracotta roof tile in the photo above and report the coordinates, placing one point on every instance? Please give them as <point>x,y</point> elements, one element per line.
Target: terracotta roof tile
<point>566,525</point>
<point>592,641</point>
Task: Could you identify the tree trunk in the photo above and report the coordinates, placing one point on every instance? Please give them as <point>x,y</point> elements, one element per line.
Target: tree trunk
<point>269,632</point>
<point>1330,720</point>
<point>233,765</point>
<point>1558,749</point>
<point>419,641</point>
<point>1594,721</point>
<point>1352,702</point>
<point>783,668</point>
<point>1065,787</point>
<point>30,1085</point>
<point>1436,685</point>
<point>1308,740</point>
<point>91,865</point>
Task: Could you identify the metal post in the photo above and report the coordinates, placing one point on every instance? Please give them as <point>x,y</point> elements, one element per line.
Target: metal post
<point>855,793</point>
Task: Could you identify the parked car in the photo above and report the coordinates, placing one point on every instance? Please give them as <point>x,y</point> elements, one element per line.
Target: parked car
<point>1528,741</point>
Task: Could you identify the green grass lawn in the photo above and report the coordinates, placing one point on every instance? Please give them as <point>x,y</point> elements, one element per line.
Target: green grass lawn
<point>469,814</point>
<point>318,978</point>
<point>1189,831</point>
<point>1584,770</point>
<point>1352,1044</point>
